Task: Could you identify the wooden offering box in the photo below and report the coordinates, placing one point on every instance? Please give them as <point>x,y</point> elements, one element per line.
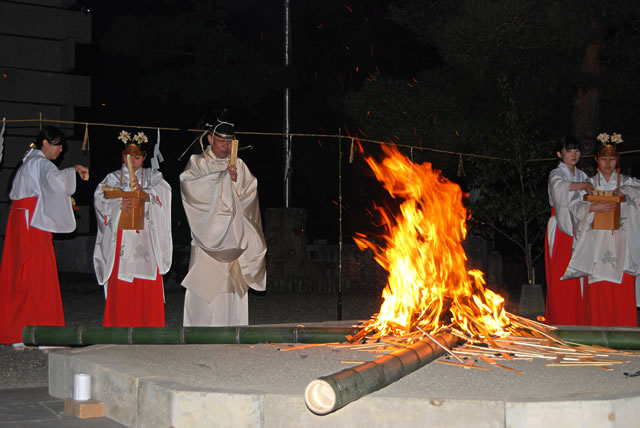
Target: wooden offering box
<point>606,221</point>
<point>130,220</point>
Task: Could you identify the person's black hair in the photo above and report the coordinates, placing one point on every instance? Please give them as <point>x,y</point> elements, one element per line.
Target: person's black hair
<point>52,134</point>
<point>568,143</point>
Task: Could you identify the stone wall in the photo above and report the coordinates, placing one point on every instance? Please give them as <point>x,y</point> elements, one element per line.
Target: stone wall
<point>293,265</point>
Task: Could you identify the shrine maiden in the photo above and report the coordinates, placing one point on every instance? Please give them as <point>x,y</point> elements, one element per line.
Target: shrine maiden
<point>41,205</point>
<point>129,263</point>
<point>564,304</point>
<point>609,260</point>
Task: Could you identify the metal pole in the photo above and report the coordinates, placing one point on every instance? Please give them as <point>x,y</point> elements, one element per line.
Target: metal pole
<point>287,110</point>
<point>339,224</point>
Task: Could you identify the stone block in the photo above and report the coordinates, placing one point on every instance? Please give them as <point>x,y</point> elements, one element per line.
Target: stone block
<point>582,413</point>
<point>111,383</point>
<point>44,22</point>
<point>30,86</point>
<point>369,411</point>
<point>37,54</point>
<point>532,300</point>
<point>285,233</point>
<point>170,404</point>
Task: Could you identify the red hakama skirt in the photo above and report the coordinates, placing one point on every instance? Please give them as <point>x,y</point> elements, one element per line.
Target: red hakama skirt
<point>133,304</point>
<point>565,305</point>
<point>609,304</point>
<point>29,286</point>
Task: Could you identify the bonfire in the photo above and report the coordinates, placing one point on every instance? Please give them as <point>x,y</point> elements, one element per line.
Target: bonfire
<point>429,288</point>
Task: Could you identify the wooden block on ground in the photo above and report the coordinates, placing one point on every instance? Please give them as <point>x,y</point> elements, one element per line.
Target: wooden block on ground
<point>84,409</point>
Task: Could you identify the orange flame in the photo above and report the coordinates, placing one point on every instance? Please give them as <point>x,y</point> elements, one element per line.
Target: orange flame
<point>429,285</point>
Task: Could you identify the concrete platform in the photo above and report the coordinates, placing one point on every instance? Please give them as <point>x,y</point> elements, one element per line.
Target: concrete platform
<point>261,386</point>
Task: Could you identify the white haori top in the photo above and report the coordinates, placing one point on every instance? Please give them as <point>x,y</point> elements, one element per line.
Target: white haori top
<point>53,187</point>
<point>560,197</point>
<point>142,252</point>
<point>603,255</point>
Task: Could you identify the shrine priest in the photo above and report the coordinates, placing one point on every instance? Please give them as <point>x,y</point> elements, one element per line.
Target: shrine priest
<point>609,260</point>
<point>220,198</point>
<point>128,259</point>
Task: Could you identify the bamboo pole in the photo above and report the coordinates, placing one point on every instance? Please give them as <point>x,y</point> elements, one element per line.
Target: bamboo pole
<point>608,337</point>
<point>81,336</point>
<point>329,393</point>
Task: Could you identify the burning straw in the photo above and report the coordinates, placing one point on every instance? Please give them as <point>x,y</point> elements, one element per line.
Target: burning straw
<point>429,286</point>
<point>432,303</point>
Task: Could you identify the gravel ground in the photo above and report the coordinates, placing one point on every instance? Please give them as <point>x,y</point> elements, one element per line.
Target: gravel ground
<point>83,302</point>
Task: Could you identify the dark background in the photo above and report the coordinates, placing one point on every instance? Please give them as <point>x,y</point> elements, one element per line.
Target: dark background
<point>504,78</point>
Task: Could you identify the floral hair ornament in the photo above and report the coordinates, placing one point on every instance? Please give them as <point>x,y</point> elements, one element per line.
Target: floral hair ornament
<point>609,143</point>
<point>132,145</point>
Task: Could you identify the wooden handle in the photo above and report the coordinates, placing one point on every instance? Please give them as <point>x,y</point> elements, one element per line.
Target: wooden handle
<point>234,152</point>
<point>130,168</point>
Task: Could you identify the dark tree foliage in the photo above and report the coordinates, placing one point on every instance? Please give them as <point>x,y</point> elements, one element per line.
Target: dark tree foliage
<point>511,77</point>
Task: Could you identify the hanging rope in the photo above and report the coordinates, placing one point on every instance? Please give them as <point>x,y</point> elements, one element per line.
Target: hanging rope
<point>202,132</point>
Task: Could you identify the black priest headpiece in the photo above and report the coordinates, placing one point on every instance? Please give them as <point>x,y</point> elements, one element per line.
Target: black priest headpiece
<point>224,126</point>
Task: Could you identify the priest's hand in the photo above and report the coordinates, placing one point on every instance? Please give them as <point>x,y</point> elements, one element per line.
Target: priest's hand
<point>233,172</point>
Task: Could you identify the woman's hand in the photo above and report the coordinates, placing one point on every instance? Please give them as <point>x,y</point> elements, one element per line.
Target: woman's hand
<point>136,184</point>
<point>128,206</point>
<point>603,207</point>
<point>82,171</point>
<point>587,187</point>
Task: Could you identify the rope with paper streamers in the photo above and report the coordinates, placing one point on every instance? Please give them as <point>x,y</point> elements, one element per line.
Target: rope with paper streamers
<point>281,134</point>
<point>4,125</point>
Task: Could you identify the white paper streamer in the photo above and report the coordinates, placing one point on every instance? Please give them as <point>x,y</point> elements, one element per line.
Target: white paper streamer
<point>157,156</point>
<point>4,125</point>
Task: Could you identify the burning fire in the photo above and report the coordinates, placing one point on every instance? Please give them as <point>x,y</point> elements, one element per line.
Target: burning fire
<point>429,286</point>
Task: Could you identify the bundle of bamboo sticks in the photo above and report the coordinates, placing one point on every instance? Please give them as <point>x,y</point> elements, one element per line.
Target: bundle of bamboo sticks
<point>525,340</point>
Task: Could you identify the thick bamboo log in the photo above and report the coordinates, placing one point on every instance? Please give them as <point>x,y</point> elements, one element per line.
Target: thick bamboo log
<point>329,393</point>
<point>623,338</point>
<point>81,336</point>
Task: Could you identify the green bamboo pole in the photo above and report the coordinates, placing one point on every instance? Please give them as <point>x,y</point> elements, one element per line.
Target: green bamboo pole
<point>81,336</point>
<point>624,338</point>
<point>329,393</point>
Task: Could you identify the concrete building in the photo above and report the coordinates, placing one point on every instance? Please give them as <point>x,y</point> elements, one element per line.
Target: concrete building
<point>38,42</point>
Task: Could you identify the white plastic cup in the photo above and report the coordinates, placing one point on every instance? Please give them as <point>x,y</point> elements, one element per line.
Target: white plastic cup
<point>81,387</point>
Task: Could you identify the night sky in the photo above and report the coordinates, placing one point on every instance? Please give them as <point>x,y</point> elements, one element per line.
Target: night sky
<point>423,75</point>
<point>335,50</point>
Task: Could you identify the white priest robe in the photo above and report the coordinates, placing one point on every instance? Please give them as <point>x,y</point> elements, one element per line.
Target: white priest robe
<point>228,247</point>
<point>143,252</point>
<point>38,176</point>
<point>605,254</point>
